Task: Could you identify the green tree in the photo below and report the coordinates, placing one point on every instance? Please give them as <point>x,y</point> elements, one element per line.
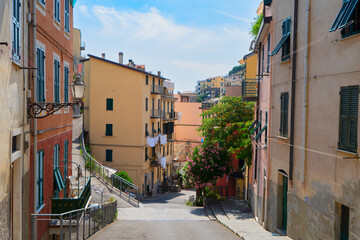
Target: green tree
<point>226,130</point>
<point>255,26</point>
<point>123,175</point>
<point>201,98</point>
<point>237,69</point>
<point>228,126</point>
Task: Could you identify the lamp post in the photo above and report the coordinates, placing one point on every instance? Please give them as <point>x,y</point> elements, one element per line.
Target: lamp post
<point>44,109</point>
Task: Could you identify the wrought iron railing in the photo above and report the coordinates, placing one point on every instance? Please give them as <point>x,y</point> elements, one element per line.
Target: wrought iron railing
<point>206,105</point>
<point>249,89</point>
<point>119,186</point>
<point>156,113</point>
<point>156,89</point>
<point>169,115</point>
<point>76,224</point>
<point>60,205</point>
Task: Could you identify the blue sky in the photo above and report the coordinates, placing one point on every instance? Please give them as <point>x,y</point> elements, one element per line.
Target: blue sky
<point>187,40</point>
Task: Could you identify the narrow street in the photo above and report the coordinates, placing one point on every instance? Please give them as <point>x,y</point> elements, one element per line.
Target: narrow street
<point>164,216</point>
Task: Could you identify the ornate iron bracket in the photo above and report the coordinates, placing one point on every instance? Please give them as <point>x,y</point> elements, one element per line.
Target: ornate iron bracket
<point>44,109</point>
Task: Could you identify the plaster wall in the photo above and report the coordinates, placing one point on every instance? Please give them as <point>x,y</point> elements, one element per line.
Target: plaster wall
<point>330,177</point>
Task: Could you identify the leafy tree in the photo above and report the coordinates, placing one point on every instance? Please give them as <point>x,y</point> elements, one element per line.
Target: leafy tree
<point>123,175</point>
<point>201,98</point>
<point>237,69</point>
<point>255,26</point>
<point>229,125</point>
<point>225,128</point>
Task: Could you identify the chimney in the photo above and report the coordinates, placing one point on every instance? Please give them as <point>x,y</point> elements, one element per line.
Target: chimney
<point>103,55</point>
<point>121,57</point>
<point>159,73</point>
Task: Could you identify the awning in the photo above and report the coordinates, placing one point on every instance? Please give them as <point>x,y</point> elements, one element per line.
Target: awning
<point>73,2</point>
<point>58,179</point>
<point>343,17</point>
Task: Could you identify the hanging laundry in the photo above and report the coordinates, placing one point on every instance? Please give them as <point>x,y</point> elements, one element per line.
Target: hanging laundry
<point>163,139</point>
<point>151,141</point>
<point>163,162</point>
<point>179,114</point>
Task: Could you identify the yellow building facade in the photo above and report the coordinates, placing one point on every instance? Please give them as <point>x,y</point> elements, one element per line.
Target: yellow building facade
<point>124,108</point>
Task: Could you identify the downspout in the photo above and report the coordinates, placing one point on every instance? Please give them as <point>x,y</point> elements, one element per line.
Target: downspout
<point>305,93</point>
<point>293,82</point>
<point>257,110</point>
<point>34,76</point>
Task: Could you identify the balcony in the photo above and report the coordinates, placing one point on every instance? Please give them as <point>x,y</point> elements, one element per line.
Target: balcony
<point>169,137</point>
<point>156,89</point>
<point>169,116</point>
<point>249,90</point>
<point>154,163</point>
<point>69,204</point>
<point>155,113</point>
<point>169,94</point>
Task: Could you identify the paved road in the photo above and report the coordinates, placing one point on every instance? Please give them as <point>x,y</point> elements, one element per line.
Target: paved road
<point>164,216</point>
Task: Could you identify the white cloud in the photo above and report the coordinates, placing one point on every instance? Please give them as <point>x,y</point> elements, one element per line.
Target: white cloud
<point>234,17</point>
<point>183,53</point>
<point>84,10</point>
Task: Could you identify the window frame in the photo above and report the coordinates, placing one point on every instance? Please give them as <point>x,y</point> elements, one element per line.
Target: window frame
<point>16,32</point>
<point>284,114</point>
<point>109,152</point>
<point>349,117</point>
<point>56,85</point>
<point>108,129</point>
<point>56,15</point>
<point>66,83</point>
<point>67,16</point>
<point>40,179</point>
<point>109,104</point>
<point>41,83</point>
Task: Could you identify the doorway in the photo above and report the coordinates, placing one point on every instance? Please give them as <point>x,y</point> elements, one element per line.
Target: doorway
<point>284,203</point>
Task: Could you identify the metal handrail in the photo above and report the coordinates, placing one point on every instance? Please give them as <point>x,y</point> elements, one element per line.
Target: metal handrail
<point>111,176</point>
<point>76,224</point>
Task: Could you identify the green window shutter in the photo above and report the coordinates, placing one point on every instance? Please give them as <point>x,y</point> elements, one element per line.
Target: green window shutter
<point>16,30</point>
<point>286,114</point>
<point>340,16</point>
<point>56,81</point>
<point>257,126</point>
<point>348,13</point>
<point>109,104</point>
<point>67,16</point>
<point>38,75</point>
<point>251,126</point>
<point>261,131</point>
<point>109,130</point>
<point>109,155</point>
<point>146,104</point>
<point>349,104</point>
<point>66,84</point>
<point>40,178</point>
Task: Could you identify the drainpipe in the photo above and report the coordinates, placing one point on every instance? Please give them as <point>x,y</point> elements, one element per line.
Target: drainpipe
<point>293,82</point>
<point>34,76</point>
<point>257,111</point>
<point>305,93</point>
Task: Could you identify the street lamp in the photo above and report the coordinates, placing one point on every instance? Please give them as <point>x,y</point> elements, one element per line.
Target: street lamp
<point>44,109</point>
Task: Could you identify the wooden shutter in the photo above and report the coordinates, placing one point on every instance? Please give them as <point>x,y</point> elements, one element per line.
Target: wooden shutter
<point>67,16</point>
<point>16,30</point>
<point>109,104</point>
<point>109,130</point>
<point>349,103</point>
<point>109,155</point>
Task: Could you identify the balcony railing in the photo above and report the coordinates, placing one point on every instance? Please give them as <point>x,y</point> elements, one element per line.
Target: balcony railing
<point>60,205</point>
<point>77,224</point>
<point>169,115</point>
<point>156,89</point>
<point>169,136</point>
<point>154,163</point>
<point>156,113</point>
<point>249,90</point>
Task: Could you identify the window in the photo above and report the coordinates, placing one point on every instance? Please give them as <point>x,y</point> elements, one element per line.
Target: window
<point>258,136</point>
<point>109,130</point>
<point>284,114</point>
<point>153,128</point>
<point>109,104</point>
<point>159,129</point>
<point>344,223</point>
<point>167,149</point>
<point>146,130</point>
<point>268,55</point>
<point>284,43</point>
<point>349,103</point>
<point>147,80</point>
<point>56,81</point>
<point>57,10</point>
<point>58,180</point>
<point>16,30</point>
<point>40,60</point>
<point>42,2</point>
<point>66,147</point>
<point>262,60</point>
<point>153,152</point>
<point>146,104</point>
<point>67,16</point>
<point>146,154</point>
<point>66,84</point>
<point>163,151</point>
<point>353,25</point>
<point>348,18</point>
<point>40,179</point>
<point>109,155</point>
<point>171,149</point>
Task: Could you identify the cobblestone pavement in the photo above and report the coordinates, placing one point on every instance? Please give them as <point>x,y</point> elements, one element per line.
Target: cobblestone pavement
<point>164,216</point>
